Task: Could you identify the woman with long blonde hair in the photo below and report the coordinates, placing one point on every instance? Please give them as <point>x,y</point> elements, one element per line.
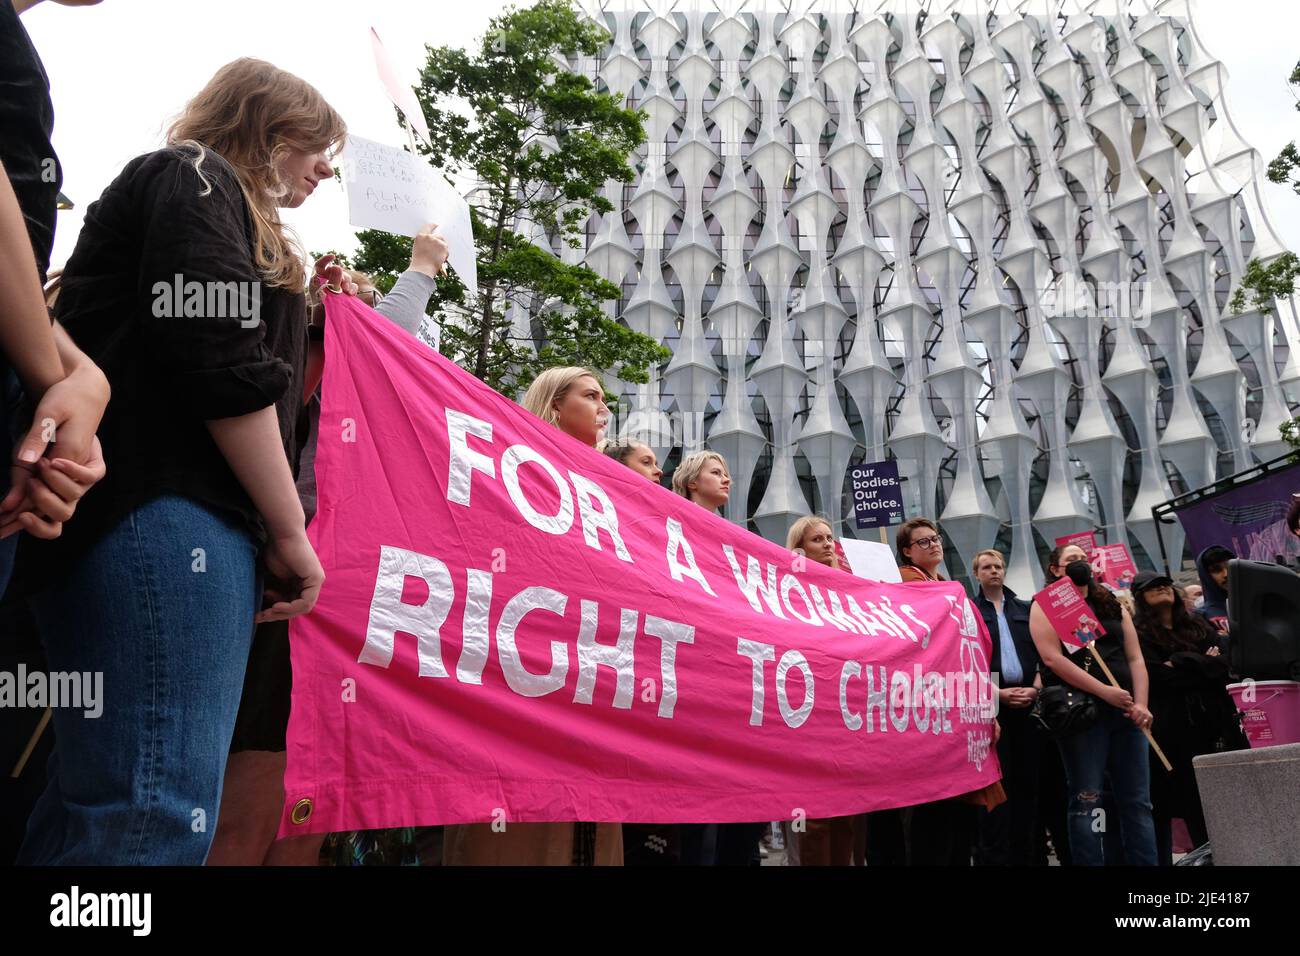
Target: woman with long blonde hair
<point>573,400</point>
<point>186,289</point>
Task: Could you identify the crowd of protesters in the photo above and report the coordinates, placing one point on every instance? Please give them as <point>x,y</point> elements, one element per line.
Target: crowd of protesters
<point>204,432</point>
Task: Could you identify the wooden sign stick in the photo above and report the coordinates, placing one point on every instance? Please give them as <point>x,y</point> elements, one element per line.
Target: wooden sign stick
<point>1092,646</point>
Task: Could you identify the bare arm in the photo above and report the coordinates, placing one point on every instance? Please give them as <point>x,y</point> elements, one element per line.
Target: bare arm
<point>251,446</point>
<point>1055,658</point>
<point>25,336</point>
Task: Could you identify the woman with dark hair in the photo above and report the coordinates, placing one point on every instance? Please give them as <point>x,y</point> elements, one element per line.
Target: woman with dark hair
<point>1113,745</point>
<point>1194,712</point>
<point>1052,795</point>
<point>920,550</point>
<point>942,832</point>
<point>638,456</point>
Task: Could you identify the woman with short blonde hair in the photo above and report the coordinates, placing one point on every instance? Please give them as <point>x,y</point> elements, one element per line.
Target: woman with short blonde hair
<point>704,479</point>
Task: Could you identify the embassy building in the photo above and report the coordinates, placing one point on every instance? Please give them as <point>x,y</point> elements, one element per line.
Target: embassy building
<point>996,247</point>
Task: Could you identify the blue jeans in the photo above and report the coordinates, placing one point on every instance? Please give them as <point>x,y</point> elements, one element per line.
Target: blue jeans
<point>1113,744</point>
<point>141,784</point>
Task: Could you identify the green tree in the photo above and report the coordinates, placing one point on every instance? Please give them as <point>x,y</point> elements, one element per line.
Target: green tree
<point>541,143</point>
<point>1263,282</point>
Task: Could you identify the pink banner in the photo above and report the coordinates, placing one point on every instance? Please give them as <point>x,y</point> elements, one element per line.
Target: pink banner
<point>1069,614</point>
<point>515,627</point>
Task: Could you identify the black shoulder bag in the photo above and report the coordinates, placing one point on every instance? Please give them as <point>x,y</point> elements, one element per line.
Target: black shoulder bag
<point>1063,710</point>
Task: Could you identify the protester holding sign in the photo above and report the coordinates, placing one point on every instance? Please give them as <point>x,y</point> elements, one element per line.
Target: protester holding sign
<point>525,631</point>
<point>1053,796</point>
<point>704,479</point>
<point>1193,711</point>
<point>1114,743</point>
<point>941,833</point>
<point>920,552</point>
<point>645,844</point>
<point>156,584</point>
<point>573,400</point>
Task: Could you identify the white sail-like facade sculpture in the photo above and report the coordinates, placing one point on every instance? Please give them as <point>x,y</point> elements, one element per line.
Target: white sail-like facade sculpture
<point>994,242</point>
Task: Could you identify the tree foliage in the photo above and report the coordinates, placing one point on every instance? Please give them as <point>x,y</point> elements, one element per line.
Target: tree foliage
<point>541,142</point>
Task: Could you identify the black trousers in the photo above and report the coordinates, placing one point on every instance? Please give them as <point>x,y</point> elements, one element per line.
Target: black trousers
<point>940,833</point>
<point>1006,833</point>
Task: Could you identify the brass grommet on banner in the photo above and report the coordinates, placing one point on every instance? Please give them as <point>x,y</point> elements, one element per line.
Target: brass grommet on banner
<point>301,811</point>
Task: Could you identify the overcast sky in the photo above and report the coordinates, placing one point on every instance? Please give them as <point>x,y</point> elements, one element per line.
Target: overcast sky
<point>121,70</point>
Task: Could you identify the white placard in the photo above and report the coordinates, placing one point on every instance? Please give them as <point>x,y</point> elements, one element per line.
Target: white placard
<point>394,191</point>
<point>871,560</point>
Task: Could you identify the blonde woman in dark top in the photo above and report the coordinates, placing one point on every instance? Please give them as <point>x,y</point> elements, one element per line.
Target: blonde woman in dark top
<point>186,289</point>
<point>573,400</point>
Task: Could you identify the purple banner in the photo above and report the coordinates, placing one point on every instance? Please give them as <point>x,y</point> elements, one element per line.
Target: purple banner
<point>1250,519</point>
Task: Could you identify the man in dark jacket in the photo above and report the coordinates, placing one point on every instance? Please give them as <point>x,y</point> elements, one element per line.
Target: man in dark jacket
<point>1006,833</point>
<point>1212,566</point>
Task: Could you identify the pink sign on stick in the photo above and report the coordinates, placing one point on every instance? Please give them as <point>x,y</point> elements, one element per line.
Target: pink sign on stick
<point>1117,567</point>
<point>1069,614</point>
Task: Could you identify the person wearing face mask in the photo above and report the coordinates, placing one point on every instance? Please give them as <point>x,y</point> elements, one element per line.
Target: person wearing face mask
<point>1188,700</point>
<point>1114,744</point>
<point>1006,832</point>
<point>1194,597</point>
<point>573,400</point>
<point>1052,821</point>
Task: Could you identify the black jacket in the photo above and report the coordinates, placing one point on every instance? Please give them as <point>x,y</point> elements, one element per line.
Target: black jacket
<point>26,122</point>
<point>1192,712</point>
<point>1016,612</point>
<point>170,373</point>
